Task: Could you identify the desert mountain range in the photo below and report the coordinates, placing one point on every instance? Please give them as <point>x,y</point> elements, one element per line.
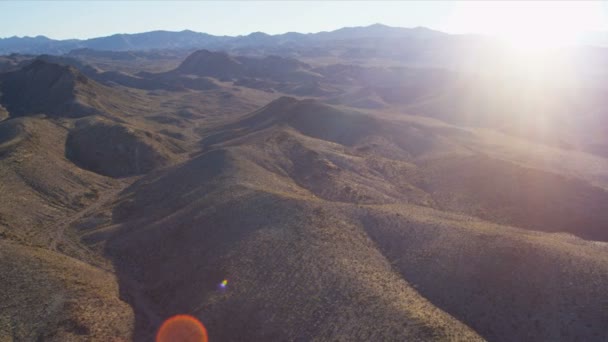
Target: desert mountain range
<point>347,193</point>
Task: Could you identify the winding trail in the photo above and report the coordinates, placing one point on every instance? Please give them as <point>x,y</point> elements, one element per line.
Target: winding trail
<point>59,227</point>
<point>130,290</point>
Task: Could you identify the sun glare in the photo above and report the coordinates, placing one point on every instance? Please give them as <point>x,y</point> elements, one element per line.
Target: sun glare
<point>531,26</point>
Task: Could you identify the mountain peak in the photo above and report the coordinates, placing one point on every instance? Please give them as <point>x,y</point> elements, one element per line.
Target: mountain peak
<point>210,63</point>
<point>44,87</point>
<point>378,25</point>
<point>258,34</point>
<point>39,64</point>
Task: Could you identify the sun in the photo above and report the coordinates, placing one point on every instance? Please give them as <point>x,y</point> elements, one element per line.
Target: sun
<point>528,25</point>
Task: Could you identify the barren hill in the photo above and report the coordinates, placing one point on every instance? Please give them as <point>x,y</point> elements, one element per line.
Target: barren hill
<point>48,88</point>
<point>272,73</point>
<point>216,64</point>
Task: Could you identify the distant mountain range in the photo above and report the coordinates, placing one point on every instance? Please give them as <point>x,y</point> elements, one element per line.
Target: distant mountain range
<point>190,40</point>
<point>158,40</point>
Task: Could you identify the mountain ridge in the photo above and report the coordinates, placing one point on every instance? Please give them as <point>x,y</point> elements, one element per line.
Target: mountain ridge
<point>189,39</point>
<point>185,39</point>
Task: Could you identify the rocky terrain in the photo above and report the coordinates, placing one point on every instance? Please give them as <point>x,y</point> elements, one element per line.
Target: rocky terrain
<point>342,198</point>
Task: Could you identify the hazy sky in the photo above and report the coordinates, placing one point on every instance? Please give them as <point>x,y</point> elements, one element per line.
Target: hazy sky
<point>85,19</point>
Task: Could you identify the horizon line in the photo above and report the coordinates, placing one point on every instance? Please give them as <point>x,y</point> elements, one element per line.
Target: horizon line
<point>248,34</point>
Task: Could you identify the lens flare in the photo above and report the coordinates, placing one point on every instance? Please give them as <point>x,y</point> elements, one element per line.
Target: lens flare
<point>182,328</point>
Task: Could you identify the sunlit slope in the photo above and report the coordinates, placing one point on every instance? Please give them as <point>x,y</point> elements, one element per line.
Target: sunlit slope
<point>52,287</point>
<point>505,283</point>
<point>295,269</point>
<point>48,296</point>
<point>350,229</point>
<point>39,185</point>
<point>351,156</point>
<point>57,157</point>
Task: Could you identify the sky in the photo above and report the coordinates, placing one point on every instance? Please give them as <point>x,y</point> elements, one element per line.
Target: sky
<point>86,19</point>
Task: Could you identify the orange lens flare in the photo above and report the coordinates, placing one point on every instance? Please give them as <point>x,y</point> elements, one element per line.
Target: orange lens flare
<point>182,328</point>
